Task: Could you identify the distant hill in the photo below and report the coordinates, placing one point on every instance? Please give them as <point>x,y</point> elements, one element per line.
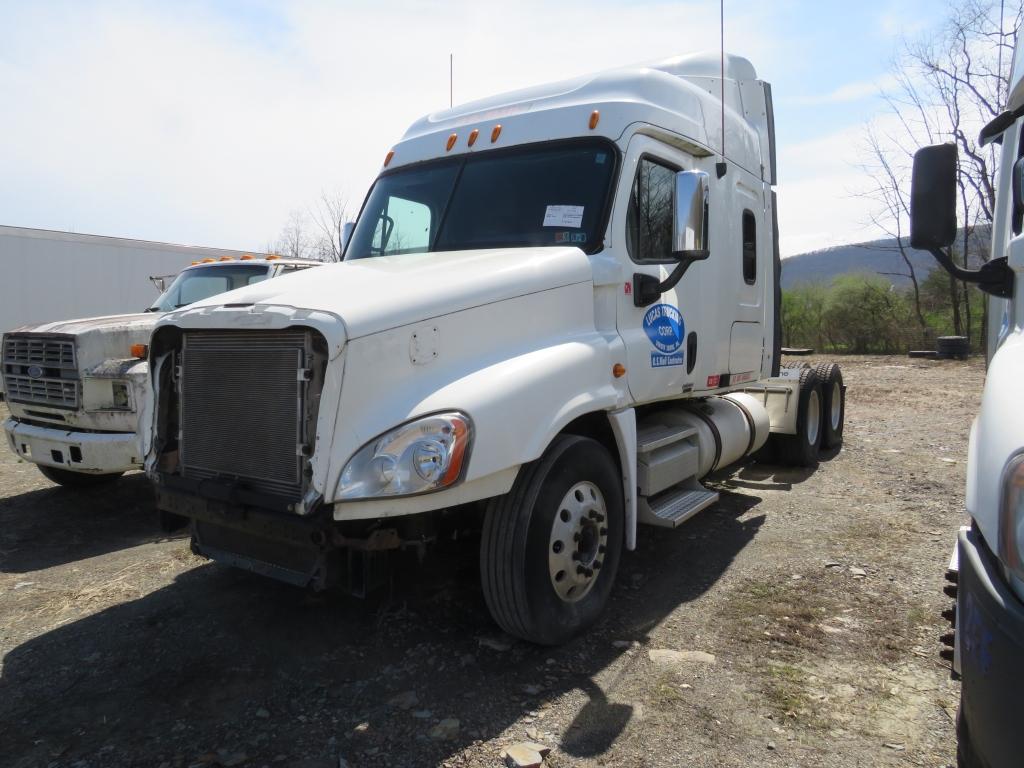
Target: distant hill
<point>873,257</point>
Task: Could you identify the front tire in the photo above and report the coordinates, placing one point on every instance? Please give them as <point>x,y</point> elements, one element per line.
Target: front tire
<point>551,546</point>
<point>70,479</point>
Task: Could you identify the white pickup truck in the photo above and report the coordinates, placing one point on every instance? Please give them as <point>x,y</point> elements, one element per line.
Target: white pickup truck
<point>986,572</point>
<point>74,387</point>
<point>557,312</point>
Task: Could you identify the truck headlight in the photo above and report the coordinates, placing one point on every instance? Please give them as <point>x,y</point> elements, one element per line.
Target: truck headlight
<point>427,454</point>
<point>1011,515</point>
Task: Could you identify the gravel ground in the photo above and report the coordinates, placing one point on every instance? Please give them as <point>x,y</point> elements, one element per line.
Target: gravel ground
<point>816,593</point>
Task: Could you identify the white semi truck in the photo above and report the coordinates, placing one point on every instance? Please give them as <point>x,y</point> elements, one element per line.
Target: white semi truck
<point>557,312</point>
<point>986,572</point>
<point>74,387</point>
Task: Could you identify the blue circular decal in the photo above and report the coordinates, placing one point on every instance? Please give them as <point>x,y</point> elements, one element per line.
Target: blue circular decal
<point>664,327</point>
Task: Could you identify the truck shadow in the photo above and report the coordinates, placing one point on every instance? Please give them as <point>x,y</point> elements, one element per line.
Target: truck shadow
<point>53,526</point>
<point>220,660</point>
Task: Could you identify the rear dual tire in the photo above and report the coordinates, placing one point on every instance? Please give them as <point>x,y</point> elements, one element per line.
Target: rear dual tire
<point>551,546</point>
<point>801,449</point>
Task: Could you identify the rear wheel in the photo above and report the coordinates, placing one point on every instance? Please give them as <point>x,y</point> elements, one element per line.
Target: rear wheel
<point>76,479</point>
<point>551,546</point>
<point>801,449</point>
<point>833,404</point>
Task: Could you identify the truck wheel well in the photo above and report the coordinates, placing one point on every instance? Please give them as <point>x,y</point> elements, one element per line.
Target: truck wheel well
<point>597,427</point>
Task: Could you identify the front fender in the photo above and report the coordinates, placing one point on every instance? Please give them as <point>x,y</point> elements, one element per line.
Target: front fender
<point>521,369</point>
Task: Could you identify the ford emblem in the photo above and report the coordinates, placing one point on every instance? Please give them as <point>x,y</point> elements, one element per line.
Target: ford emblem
<point>35,371</point>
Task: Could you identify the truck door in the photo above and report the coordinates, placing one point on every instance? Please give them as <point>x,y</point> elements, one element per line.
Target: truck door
<point>662,340</point>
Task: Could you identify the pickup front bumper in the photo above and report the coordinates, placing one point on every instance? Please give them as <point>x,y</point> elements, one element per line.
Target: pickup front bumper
<point>990,634</point>
<point>89,452</point>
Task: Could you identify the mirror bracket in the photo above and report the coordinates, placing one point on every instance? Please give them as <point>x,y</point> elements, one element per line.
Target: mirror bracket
<point>647,289</point>
<point>994,277</point>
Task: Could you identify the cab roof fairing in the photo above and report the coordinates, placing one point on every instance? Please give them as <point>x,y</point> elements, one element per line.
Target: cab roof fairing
<point>653,95</point>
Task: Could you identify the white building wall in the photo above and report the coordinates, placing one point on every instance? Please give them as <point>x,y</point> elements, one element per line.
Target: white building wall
<point>46,275</point>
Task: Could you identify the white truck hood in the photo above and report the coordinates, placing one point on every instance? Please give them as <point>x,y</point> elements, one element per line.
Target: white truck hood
<point>141,321</point>
<point>99,340</point>
<point>378,294</point>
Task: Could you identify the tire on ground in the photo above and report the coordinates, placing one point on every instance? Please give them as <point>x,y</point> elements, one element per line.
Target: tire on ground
<point>801,449</point>
<point>518,585</point>
<point>833,404</point>
<point>70,479</point>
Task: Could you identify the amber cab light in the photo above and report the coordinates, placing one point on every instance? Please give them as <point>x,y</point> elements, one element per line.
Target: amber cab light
<point>595,116</point>
<point>495,133</point>
<point>451,141</point>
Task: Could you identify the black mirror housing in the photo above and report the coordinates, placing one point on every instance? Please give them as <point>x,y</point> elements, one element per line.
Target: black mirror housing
<point>933,197</point>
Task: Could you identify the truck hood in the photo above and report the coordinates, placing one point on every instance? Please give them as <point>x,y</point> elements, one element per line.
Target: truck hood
<point>99,340</point>
<point>142,321</point>
<point>378,294</point>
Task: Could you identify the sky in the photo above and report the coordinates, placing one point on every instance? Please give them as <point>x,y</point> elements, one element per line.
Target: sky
<point>209,123</point>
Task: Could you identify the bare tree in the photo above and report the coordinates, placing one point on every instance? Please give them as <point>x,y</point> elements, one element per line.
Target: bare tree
<point>948,85</point>
<point>892,210</point>
<point>294,241</point>
<point>329,216</point>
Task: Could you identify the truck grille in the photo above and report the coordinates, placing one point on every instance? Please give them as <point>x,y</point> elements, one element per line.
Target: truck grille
<point>241,408</point>
<point>41,370</point>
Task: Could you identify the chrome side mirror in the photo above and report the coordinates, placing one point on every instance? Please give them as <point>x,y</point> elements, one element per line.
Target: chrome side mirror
<point>690,215</point>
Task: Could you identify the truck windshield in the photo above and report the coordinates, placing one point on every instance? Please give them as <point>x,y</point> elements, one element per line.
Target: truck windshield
<point>554,194</point>
<point>203,282</point>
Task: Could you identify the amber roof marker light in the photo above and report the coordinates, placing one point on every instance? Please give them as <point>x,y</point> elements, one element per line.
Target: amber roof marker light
<point>472,136</point>
<point>388,157</point>
<point>595,118</point>
<point>451,142</point>
<point>495,133</point>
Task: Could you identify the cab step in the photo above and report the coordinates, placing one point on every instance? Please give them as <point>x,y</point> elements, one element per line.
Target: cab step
<point>674,506</point>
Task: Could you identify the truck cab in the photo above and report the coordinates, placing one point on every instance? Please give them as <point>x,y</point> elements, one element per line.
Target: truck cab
<point>74,388</point>
<point>557,312</point>
<point>986,571</point>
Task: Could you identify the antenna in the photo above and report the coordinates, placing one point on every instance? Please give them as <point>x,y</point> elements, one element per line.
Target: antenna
<point>721,167</point>
<point>451,80</point>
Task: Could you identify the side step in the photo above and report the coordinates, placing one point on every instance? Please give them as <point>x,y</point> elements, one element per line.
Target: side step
<point>674,506</point>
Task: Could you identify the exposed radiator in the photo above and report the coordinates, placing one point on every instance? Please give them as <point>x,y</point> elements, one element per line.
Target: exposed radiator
<point>242,407</point>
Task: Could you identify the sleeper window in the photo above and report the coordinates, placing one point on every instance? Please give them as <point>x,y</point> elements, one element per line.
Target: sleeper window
<point>749,248</point>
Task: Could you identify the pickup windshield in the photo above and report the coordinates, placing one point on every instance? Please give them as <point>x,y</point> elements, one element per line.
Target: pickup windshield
<point>199,283</point>
<point>553,194</point>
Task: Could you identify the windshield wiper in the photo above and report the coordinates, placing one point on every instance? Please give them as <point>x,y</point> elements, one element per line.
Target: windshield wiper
<point>152,309</point>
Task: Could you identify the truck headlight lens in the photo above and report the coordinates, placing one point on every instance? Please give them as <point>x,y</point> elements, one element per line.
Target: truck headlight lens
<point>427,454</point>
<point>1011,515</point>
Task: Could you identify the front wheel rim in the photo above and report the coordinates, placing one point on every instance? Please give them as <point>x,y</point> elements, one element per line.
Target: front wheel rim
<point>813,417</point>
<point>578,541</point>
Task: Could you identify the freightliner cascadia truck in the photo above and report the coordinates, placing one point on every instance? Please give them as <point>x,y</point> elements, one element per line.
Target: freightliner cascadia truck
<point>557,312</point>
<point>74,388</point>
<point>986,572</point>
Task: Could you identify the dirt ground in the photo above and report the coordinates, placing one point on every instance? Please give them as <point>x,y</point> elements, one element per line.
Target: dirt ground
<point>818,594</point>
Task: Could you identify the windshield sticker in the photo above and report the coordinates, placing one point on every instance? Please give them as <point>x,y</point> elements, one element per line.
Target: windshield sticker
<point>564,216</point>
<point>664,326</point>
<point>599,158</point>
<point>572,238</point>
